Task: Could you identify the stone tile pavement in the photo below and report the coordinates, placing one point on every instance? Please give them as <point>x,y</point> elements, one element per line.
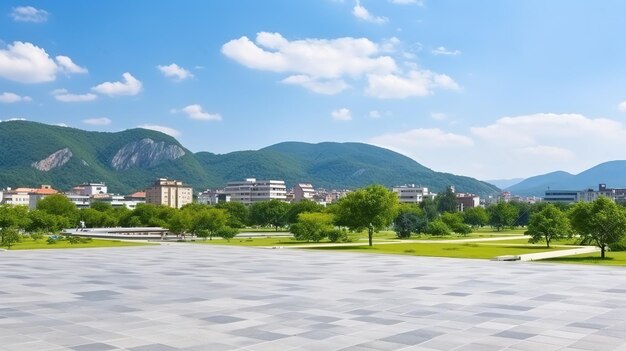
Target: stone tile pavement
<point>197,297</point>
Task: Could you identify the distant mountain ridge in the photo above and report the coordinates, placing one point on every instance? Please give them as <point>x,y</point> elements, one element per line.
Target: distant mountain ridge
<point>612,173</point>
<point>504,183</point>
<point>33,153</point>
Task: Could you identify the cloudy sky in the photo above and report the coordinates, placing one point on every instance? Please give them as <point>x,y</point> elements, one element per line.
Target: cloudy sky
<point>490,89</point>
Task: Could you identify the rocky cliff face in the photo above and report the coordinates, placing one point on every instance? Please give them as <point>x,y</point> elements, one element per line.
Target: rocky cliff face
<point>145,153</point>
<point>55,160</point>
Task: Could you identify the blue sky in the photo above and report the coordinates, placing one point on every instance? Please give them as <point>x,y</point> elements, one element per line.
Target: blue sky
<point>489,89</point>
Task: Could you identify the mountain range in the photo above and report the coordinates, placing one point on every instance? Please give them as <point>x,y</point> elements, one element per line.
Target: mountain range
<point>33,153</point>
<point>612,173</point>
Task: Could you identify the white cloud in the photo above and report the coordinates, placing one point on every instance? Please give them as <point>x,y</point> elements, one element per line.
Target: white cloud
<point>66,65</point>
<point>27,63</point>
<point>326,87</point>
<point>519,146</point>
<point>362,13</point>
<point>342,114</point>
<point>99,121</point>
<point>416,83</point>
<point>316,58</point>
<point>443,51</point>
<point>196,111</point>
<point>167,130</point>
<point>9,98</point>
<point>29,14</point>
<point>130,86</point>
<point>622,106</point>
<point>375,114</point>
<point>14,119</point>
<point>326,66</point>
<point>61,124</point>
<point>438,116</point>
<point>175,72</point>
<point>64,96</point>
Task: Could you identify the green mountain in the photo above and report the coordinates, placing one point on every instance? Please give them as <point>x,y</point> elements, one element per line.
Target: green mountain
<point>33,153</point>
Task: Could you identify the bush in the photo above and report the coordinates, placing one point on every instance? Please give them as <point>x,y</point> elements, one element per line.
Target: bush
<point>618,246</point>
<point>337,235</point>
<point>36,236</point>
<point>73,239</point>
<point>227,233</point>
<point>51,240</point>
<point>462,229</point>
<point>438,228</point>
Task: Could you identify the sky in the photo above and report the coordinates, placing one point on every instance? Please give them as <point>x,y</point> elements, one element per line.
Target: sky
<point>491,89</point>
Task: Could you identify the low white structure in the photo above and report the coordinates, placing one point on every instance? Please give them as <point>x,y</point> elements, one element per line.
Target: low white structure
<point>252,190</point>
<point>412,194</point>
<point>303,191</point>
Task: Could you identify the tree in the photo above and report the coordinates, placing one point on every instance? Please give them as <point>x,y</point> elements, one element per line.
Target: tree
<point>438,228</point>
<point>601,222</point>
<point>502,215</point>
<point>227,233</point>
<point>372,208</point>
<point>43,221</point>
<point>410,219</point>
<point>9,236</point>
<point>454,221</point>
<point>208,222</point>
<point>312,226</point>
<point>548,224</point>
<point>58,205</point>
<point>237,213</point>
<point>429,206</point>
<point>446,201</point>
<point>273,213</point>
<point>524,210</point>
<point>179,223</point>
<point>476,217</point>
<point>300,207</point>
<point>14,216</point>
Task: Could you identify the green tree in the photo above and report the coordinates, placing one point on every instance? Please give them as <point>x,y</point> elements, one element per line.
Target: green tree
<point>437,228</point>
<point>548,224</point>
<point>601,222</point>
<point>312,226</point>
<point>208,222</point>
<point>179,223</point>
<point>272,213</point>
<point>524,211</point>
<point>58,205</point>
<point>476,217</point>
<point>372,208</point>
<point>227,233</point>
<point>405,224</point>
<point>502,215</point>
<point>9,236</point>
<point>43,221</point>
<point>237,213</point>
<point>429,206</point>
<point>454,221</point>
<point>300,207</point>
<point>101,206</point>
<point>446,201</point>
<point>13,216</point>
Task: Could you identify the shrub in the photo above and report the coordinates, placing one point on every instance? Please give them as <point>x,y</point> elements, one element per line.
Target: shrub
<point>227,233</point>
<point>51,240</point>
<point>337,235</point>
<point>438,228</point>
<point>36,236</point>
<point>73,239</point>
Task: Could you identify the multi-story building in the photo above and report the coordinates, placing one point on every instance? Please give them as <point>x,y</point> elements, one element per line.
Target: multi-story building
<point>303,192</point>
<point>90,189</point>
<point>465,201</point>
<point>587,195</point>
<point>26,196</point>
<point>213,197</point>
<point>251,190</point>
<point>172,193</point>
<point>412,194</point>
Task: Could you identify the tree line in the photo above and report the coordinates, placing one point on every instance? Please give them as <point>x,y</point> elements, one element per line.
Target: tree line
<point>372,209</point>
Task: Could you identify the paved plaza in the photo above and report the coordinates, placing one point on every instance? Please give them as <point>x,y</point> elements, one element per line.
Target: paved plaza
<point>214,298</point>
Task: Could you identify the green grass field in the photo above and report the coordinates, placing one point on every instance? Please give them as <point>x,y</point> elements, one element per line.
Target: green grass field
<point>466,250</point>
<point>613,258</point>
<point>28,244</point>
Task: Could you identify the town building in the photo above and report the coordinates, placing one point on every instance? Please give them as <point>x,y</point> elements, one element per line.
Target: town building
<point>303,191</point>
<point>213,197</point>
<point>90,189</point>
<point>251,190</point>
<point>172,193</point>
<point>587,195</point>
<point>26,196</point>
<point>412,194</point>
<point>465,201</point>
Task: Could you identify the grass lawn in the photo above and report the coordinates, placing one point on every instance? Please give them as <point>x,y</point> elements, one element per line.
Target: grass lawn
<point>278,241</point>
<point>613,258</point>
<point>574,242</point>
<point>466,250</point>
<point>28,244</point>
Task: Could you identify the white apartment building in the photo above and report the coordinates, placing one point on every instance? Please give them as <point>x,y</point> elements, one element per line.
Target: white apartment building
<point>251,190</point>
<point>90,189</point>
<point>26,196</point>
<point>213,197</point>
<point>412,194</point>
<point>172,193</point>
<point>303,192</point>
